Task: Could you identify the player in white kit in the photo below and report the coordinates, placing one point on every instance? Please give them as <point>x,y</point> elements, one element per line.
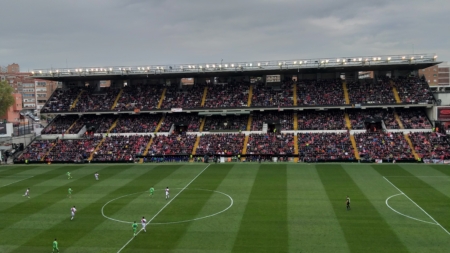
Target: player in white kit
<point>167,192</point>
<point>144,223</point>
<point>96,176</point>
<point>73,210</point>
<point>27,193</point>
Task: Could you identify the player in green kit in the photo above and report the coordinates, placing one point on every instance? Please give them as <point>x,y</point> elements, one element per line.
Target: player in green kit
<point>151,191</point>
<point>69,193</point>
<point>68,175</point>
<point>55,246</point>
<point>134,226</point>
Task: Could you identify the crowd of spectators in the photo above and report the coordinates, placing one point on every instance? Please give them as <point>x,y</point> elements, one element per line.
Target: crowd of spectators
<point>270,144</point>
<point>321,120</point>
<point>60,124</point>
<point>105,123</point>
<point>73,150</point>
<point>386,146</point>
<point>121,148</point>
<point>313,147</point>
<point>140,96</point>
<point>36,150</point>
<point>227,95</point>
<point>102,100</point>
<point>224,144</point>
<point>414,119</point>
<point>380,92</point>
<point>273,96</point>
<point>285,119</point>
<point>226,123</point>
<point>172,145</point>
<point>188,97</point>
<point>320,92</point>
<point>431,145</point>
<point>191,121</point>
<point>359,117</point>
<point>414,90</point>
<point>87,119</point>
<point>140,123</point>
<point>61,100</point>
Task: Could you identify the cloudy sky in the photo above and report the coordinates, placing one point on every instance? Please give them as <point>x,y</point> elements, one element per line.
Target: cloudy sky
<point>85,33</point>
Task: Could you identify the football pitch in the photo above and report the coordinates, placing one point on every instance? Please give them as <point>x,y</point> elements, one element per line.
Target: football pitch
<point>236,207</point>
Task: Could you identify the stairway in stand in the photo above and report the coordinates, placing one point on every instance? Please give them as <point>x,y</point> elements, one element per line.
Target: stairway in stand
<point>355,148</point>
<point>149,144</point>
<point>244,148</point>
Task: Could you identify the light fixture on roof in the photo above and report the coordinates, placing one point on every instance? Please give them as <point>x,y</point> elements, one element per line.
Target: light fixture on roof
<point>322,62</point>
<point>251,64</point>
<point>110,69</point>
<point>412,58</point>
<point>279,63</point>
<point>214,65</point>
<point>421,57</point>
<point>226,65</point>
<point>403,57</point>
<point>40,71</point>
<point>232,65</point>
<point>120,68</point>
<point>379,58</point>
<point>338,60</point>
<point>32,72</point>
<point>295,62</point>
<point>435,57</point>
<point>360,59</point>
<point>374,58</point>
<point>220,65</point>
<point>301,62</point>
<point>259,64</point>
<point>389,58</point>
<point>326,61</point>
<point>207,65</point>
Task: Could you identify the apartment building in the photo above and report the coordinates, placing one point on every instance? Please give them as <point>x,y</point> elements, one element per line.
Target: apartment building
<point>437,75</point>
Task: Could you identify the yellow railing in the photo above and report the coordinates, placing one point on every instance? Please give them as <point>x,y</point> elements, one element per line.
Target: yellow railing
<point>413,151</point>
<point>249,123</point>
<point>296,148</point>
<point>395,91</point>
<point>344,87</point>
<point>244,148</point>
<point>163,95</point>
<point>147,147</point>
<point>53,144</point>
<point>294,96</point>
<point>295,121</point>
<point>355,148</point>
<point>348,123</point>
<point>160,123</point>
<point>205,93</point>
<point>101,142</point>
<point>73,124</point>
<point>397,118</point>
<point>202,124</point>
<point>76,100</point>
<point>250,95</point>
<point>117,99</point>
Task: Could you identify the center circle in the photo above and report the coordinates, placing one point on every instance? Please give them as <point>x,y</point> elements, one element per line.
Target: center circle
<point>171,222</point>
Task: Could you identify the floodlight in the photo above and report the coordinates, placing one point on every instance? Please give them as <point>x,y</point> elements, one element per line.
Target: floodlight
<point>389,58</point>
<point>50,72</point>
<point>301,62</point>
<point>360,59</point>
<point>120,68</point>
<point>96,69</point>
<point>232,65</point>
<point>435,57</point>
<point>279,63</point>
<point>207,65</point>
<point>157,67</point>
<point>226,65</point>
<point>214,65</point>
<point>338,60</point>
<point>379,58</point>
<point>374,58</point>
<point>220,65</point>
<point>139,68</point>
<point>199,66</point>
<point>322,62</point>
<point>295,62</point>
<point>403,57</point>
<point>162,68</point>
<point>251,64</point>
<point>421,57</point>
<point>412,58</point>
<point>267,63</point>
<point>259,64</point>
<point>32,72</point>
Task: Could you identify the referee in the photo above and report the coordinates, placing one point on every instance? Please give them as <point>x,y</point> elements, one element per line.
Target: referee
<point>347,201</point>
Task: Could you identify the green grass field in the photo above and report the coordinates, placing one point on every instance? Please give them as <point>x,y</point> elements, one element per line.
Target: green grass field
<point>227,208</point>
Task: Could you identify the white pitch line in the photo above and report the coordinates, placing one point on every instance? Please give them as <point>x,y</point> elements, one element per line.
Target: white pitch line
<point>387,200</point>
<point>437,223</point>
<point>170,201</point>
<point>17,181</point>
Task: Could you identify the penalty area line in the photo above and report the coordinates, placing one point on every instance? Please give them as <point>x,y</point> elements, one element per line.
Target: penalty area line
<point>170,201</point>
<point>437,223</point>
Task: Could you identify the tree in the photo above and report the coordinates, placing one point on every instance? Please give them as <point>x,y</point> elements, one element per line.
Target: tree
<point>6,97</point>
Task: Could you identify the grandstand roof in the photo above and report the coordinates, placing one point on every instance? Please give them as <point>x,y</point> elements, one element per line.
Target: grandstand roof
<point>255,68</point>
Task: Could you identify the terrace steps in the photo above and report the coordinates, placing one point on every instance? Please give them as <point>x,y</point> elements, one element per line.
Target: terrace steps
<point>413,151</point>
<point>202,124</point>
<point>296,147</point>
<point>147,147</point>
<point>294,96</point>
<point>117,99</point>
<point>355,148</point>
<point>249,123</point>
<point>163,95</point>
<point>395,91</point>
<point>346,97</point>
<point>48,152</point>
<point>197,141</point>
<point>205,93</point>
<point>250,95</point>
<point>71,126</point>
<point>295,121</point>
<point>397,118</point>
<point>103,139</point>
<point>160,123</point>
<point>244,148</point>
<point>348,123</point>
<point>76,100</point>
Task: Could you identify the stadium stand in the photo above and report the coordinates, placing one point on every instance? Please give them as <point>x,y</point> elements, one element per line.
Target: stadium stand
<point>140,123</point>
<point>61,100</point>
<point>321,120</point>
<point>386,146</point>
<point>73,150</point>
<point>140,96</point>
<point>231,95</point>
<point>319,147</point>
<point>285,119</point>
<point>172,145</point>
<point>380,92</point>
<point>36,151</point>
<point>320,92</point>
<point>414,90</point>
<point>98,101</point>
<point>270,144</point>
<point>60,124</point>
<point>191,121</point>
<point>121,148</point>
<point>225,144</point>
<point>273,96</point>
<point>414,119</point>
<point>188,97</point>
<point>358,118</point>
<point>431,145</point>
<point>226,123</point>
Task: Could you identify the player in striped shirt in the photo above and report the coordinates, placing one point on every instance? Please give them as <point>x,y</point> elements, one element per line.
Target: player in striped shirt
<point>73,210</point>
<point>144,223</point>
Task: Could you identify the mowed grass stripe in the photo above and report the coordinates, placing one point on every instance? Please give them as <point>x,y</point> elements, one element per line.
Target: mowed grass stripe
<point>264,225</point>
<point>364,228</point>
<point>186,206</point>
<point>13,170</point>
<point>89,216</point>
<point>434,202</point>
<point>445,169</point>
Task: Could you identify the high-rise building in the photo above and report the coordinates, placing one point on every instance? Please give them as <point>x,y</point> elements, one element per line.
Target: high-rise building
<point>437,75</point>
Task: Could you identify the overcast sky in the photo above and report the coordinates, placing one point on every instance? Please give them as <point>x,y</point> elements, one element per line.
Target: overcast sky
<point>84,33</point>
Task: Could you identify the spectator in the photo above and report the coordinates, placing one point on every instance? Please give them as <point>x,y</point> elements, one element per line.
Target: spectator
<point>313,147</point>
<point>414,90</point>
<point>370,92</point>
<point>221,144</point>
<point>270,144</point>
<point>231,95</point>
<point>121,148</point>
<point>321,120</point>
<point>140,123</point>
<point>36,150</point>
<point>226,123</point>
<point>73,150</point>
<point>413,119</point>
<point>172,145</point>
<point>285,119</point>
<point>272,96</point>
<point>431,145</point>
<point>140,96</point>
<point>187,97</point>
<point>320,92</point>
<point>60,124</point>
<point>192,122</point>
<point>386,146</point>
